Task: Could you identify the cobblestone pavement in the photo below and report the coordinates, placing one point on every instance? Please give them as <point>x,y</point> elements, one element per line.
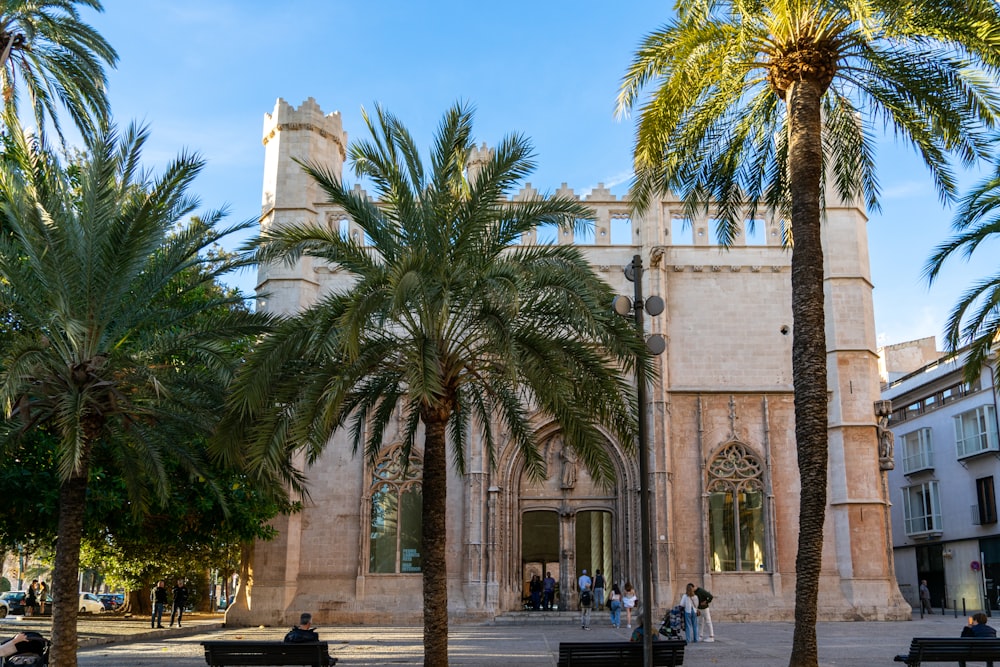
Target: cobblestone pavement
<point>113,642</point>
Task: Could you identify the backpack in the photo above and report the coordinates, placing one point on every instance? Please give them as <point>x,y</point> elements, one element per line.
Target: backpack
<point>586,599</point>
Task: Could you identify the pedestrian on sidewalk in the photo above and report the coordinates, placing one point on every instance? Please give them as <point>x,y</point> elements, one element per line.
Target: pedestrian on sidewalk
<point>705,622</point>
<point>689,601</point>
<point>158,596</point>
<point>925,598</point>
<point>180,596</point>
<point>586,605</point>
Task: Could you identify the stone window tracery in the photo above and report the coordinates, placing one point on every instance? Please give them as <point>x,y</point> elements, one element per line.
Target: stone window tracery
<point>736,510</point>
<point>395,522</point>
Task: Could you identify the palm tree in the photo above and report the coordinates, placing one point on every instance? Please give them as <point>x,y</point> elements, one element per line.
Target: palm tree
<point>108,352</point>
<point>975,319</point>
<point>50,54</point>
<point>449,320</point>
<point>767,100</point>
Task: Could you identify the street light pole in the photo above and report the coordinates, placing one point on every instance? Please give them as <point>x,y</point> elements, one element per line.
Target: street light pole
<point>654,344</point>
<point>647,547</point>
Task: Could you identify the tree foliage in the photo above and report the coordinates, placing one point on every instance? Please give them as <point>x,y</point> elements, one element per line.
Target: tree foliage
<point>768,100</point>
<point>109,354</point>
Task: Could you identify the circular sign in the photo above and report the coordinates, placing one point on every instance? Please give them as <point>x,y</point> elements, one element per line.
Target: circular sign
<point>975,565</point>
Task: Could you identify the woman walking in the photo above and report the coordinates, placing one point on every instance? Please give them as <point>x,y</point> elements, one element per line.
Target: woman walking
<point>628,601</point>
<point>615,605</point>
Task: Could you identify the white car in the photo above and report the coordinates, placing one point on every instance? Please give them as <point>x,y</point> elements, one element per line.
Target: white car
<point>90,604</point>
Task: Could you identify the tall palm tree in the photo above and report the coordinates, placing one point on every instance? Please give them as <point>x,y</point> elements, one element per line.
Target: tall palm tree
<point>50,54</point>
<point>449,320</point>
<point>107,350</point>
<point>975,319</point>
<point>768,99</point>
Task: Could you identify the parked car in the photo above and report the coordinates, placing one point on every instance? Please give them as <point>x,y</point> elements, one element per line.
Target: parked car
<point>90,604</point>
<point>112,601</point>
<point>12,604</point>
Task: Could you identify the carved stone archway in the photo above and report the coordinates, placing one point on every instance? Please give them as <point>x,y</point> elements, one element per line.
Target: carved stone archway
<point>594,524</point>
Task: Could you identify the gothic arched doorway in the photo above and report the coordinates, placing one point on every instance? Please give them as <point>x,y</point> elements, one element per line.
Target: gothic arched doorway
<point>567,523</point>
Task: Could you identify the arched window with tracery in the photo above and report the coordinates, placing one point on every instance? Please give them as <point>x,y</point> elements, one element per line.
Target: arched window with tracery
<point>736,527</point>
<point>396,524</point>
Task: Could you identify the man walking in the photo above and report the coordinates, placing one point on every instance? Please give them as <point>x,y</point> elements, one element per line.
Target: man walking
<point>925,598</point>
<point>180,601</point>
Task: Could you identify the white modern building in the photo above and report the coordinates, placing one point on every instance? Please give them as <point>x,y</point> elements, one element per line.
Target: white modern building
<point>943,486</point>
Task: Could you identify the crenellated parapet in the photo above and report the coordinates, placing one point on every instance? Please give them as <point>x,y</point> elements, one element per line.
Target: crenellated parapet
<point>308,117</point>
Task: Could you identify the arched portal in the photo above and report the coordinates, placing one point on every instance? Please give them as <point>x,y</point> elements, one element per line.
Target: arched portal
<point>565,523</point>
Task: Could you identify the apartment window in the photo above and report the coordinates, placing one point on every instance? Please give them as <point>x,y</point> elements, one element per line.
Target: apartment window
<point>922,509</point>
<point>975,431</point>
<point>987,500</point>
<point>396,520</point>
<point>918,454</point>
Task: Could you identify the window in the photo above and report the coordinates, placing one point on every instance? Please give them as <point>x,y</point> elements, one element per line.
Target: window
<point>918,454</point>
<point>987,500</point>
<point>736,511</point>
<point>922,509</point>
<point>396,524</point>
<point>975,431</point>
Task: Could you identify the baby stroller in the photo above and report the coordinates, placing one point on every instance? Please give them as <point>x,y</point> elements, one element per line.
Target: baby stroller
<point>31,653</point>
<point>673,624</point>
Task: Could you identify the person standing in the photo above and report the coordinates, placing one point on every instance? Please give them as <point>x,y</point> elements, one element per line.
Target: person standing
<point>31,598</point>
<point>704,599</point>
<point>689,601</point>
<point>43,593</point>
<point>586,605</point>
<point>598,590</point>
<point>158,596</point>
<point>628,602</point>
<point>925,597</point>
<point>548,590</point>
<point>615,605</point>
<point>585,582</point>
<point>535,588</point>
<point>180,595</point>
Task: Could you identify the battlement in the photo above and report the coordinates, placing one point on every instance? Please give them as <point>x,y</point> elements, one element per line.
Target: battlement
<point>309,117</point>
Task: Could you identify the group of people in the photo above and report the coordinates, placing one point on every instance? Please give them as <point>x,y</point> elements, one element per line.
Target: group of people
<point>35,597</point>
<point>159,599</point>
<point>618,600</point>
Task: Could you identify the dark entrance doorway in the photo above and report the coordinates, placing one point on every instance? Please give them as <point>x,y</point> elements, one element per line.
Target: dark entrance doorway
<point>930,566</point>
<point>539,548</point>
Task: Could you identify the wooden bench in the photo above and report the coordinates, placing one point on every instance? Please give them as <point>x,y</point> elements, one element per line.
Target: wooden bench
<point>314,654</point>
<point>952,649</point>
<point>666,653</point>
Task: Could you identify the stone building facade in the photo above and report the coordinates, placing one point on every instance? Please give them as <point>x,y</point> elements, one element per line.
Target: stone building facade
<point>723,463</point>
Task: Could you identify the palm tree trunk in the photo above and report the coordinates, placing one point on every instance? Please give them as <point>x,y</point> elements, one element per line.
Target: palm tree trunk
<point>433,544</point>
<point>65,581</point>
<point>805,159</point>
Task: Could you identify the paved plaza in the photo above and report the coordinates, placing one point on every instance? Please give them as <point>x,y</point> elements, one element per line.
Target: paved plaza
<point>131,643</point>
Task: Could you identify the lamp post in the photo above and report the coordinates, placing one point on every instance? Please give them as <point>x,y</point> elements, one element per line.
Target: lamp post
<point>655,344</point>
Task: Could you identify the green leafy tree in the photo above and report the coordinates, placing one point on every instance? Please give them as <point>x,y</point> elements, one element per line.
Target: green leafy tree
<point>450,321</point>
<point>767,100</point>
<point>975,319</point>
<point>108,355</point>
<point>49,54</point>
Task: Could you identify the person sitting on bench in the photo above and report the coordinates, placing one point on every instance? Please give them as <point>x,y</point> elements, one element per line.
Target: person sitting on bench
<point>303,632</point>
<point>979,627</point>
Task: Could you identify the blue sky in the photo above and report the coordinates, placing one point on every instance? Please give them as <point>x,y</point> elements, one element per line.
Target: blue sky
<point>202,75</point>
